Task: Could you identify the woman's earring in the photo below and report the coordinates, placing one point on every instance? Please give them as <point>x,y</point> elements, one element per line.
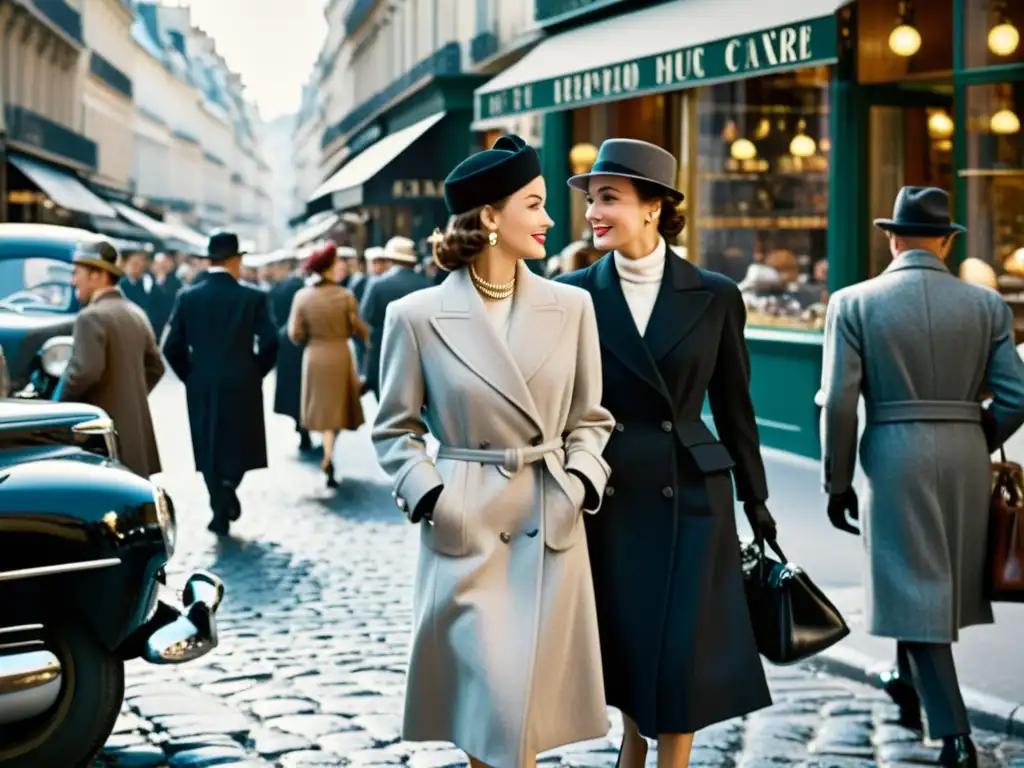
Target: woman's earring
<point>492,238</point>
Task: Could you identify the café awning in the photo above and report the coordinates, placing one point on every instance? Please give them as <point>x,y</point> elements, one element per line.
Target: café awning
<point>345,188</point>
<point>666,47</point>
<point>173,237</point>
<point>315,228</point>
<point>61,186</point>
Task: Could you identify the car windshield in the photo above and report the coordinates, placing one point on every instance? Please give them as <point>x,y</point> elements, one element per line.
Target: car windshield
<point>36,283</point>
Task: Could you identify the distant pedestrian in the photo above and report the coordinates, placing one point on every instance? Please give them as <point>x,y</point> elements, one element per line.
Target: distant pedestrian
<point>505,369</point>
<point>400,279</point>
<point>676,637</point>
<point>166,285</point>
<point>285,283</point>
<point>921,346</point>
<point>324,317</point>
<point>222,342</point>
<point>115,362</point>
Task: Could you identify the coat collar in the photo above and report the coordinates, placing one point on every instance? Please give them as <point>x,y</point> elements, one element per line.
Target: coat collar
<point>917,259</point>
<point>680,303</point>
<point>106,295</point>
<point>535,327</point>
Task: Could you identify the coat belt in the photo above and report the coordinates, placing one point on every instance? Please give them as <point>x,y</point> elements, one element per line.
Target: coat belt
<point>923,410</point>
<point>510,459</point>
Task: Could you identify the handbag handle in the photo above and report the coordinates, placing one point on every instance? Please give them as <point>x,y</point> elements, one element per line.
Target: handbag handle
<point>774,546</point>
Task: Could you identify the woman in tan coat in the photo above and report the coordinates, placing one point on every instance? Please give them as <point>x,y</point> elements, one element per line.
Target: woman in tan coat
<point>324,316</point>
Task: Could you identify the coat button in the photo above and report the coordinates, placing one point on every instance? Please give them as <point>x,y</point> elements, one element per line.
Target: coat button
<point>666,426</point>
<point>536,440</point>
<point>505,537</point>
<point>485,444</point>
<point>667,492</point>
<point>619,426</point>
<point>609,491</point>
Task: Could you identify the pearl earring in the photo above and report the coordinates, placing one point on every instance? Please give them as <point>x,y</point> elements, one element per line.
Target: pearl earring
<point>492,239</point>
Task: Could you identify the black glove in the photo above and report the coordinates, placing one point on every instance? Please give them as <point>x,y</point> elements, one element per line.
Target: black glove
<point>425,509</point>
<point>761,520</point>
<point>838,506</point>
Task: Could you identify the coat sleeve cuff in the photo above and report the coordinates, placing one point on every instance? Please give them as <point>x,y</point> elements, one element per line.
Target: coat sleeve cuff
<point>413,483</point>
<point>594,472</point>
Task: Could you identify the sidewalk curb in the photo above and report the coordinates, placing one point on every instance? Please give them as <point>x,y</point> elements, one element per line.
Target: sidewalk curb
<point>987,713</point>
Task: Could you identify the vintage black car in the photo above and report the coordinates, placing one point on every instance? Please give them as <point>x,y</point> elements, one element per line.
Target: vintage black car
<point>37,300</point>
<point>83,545</point>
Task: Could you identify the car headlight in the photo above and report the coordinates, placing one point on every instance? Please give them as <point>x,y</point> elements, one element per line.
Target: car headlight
<point>55,355</point>
<point>165,517</point>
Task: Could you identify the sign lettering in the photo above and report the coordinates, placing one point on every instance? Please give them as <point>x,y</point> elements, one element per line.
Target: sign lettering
<point>407,189</point>
<point>798,45</point>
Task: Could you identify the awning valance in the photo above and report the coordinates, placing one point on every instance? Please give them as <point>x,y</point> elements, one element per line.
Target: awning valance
<point>168,234</point>
<point>61,186</point>
<point>666,47</point>
<point>345,188</point>
<point>315,228</point>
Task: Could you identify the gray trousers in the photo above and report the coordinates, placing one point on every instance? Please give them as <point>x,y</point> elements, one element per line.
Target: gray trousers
<point>931,668</point>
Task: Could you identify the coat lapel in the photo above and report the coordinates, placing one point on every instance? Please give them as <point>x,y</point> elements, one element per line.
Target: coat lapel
<point>616,327</point>
<point>535,326</point>
<point>464,327</point>
<point>679,306</point>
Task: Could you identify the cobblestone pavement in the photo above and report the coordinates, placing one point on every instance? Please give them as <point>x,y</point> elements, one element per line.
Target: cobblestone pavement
<point>313,634</point>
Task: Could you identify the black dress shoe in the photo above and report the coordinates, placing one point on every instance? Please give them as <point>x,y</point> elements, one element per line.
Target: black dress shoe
<point>958,752</point>
<point>332,482</point>
<point>219,526</point>
<point>305,444</point>
<point>905,697</point>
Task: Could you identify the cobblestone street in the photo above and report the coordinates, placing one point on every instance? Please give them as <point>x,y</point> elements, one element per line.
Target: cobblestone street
<point>313,635</point>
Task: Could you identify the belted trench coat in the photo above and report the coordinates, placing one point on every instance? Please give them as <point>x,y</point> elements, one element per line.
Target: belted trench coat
<point>505,658</point>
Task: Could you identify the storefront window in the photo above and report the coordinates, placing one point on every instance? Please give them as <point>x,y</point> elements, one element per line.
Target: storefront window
<point>900,40</point>
<point>995,191</point>
<point>992,33</point>
<point>762,193</point>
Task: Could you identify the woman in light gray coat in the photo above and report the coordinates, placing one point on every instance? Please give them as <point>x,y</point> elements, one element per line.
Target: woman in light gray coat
<point>505,368</point>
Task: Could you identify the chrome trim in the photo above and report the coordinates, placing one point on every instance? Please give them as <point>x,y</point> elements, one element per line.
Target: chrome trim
<point>30,684</point>
<point>101,425</point>
<point>53,570</point>
<point>191,634</point>
<point>21,628</point>
<point>4,647</point>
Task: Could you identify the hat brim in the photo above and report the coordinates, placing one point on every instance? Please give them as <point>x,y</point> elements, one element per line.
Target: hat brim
<point>106,266</point>
<point>402,258</point>
<point>225,257</point>
<point>918,230</point>
<point>580,181</point>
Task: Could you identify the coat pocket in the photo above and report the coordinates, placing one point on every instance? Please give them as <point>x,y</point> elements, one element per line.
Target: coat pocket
<point>563,508</point>
<point>445,532</point>
<point>707,452</point>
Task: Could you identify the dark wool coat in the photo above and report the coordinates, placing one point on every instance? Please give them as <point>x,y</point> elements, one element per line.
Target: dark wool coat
<point>288,391</point>
<point>210,346</point>
<point>380,292</point>
<point>676,639</point>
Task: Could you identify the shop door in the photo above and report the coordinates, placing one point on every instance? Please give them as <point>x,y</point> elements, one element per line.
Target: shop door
<point>910,143</point>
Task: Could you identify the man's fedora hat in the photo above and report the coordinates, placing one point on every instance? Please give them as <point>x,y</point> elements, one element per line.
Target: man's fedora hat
<point>633,159</point>
<point>401,250</point>
<point>920,212</point>
<point>98,254</point>
<point>223,246</point>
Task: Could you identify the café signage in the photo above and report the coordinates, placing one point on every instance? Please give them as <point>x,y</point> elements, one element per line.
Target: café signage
<point>410,189</point>
<point>805,44</point>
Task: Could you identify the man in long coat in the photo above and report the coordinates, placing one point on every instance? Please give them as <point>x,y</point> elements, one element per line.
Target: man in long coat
<point>922,347</point>
<point>209,345</point>
<point>288,390</point>
<point>399,280</point>
<point>115,362</point>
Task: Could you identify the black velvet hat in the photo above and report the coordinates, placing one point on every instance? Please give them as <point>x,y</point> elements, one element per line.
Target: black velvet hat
<point>491,175</point>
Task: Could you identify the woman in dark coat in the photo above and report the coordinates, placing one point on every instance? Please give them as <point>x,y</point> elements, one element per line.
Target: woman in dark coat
<point>676,639</point>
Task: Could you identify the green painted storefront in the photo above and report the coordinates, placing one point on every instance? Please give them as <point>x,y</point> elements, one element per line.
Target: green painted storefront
<point>868,91</point>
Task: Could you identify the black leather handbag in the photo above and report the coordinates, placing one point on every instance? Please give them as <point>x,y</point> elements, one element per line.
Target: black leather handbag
<point>792,618</point>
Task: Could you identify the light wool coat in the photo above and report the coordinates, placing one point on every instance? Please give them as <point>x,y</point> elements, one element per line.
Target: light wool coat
<point>922,347</point>
<point>505,658</point>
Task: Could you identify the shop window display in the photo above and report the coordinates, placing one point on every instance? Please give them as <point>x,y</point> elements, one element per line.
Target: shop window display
<point>762,193</point>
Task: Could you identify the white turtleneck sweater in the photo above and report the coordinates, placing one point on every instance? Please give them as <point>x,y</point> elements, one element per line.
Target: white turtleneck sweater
<point>640,280</point>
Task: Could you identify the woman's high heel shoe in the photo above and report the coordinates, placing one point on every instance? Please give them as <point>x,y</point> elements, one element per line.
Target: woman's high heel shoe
<point>332,482</point>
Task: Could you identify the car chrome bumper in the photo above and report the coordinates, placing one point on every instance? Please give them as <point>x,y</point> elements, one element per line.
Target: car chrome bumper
<point>178,634</point>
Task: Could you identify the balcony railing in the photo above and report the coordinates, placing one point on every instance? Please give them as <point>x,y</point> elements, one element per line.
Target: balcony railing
<point>446,60</point>
<point>110,74</point>
<point>213,159</point>
<point>26,126</point>
<point>188,138</point>
<point>483,46</point>
<point>359,13</point>
<point>551,10</point>
<point>64,16</point>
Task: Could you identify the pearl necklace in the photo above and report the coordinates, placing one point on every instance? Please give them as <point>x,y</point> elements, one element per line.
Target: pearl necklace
<point>494,291</point>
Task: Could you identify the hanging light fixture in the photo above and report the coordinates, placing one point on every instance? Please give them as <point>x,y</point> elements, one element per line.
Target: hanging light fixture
<point>940,124</point>
<point>1003,38</point>
<point>743,149</point>
<point>730,132</point>
<point>764,127</point>
<point>582,157</point>
<point>905,40</point>
<point>802,145</point>
<point>1004,123</point>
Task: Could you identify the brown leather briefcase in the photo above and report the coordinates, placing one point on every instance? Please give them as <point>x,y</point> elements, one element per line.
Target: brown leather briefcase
<point>1006,532</point>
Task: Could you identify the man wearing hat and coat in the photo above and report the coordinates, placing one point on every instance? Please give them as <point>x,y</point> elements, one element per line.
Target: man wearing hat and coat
<point>921,347</point>
<point>115,362</point>
<point>288,388</point>
<point>399,280</point>
<point>209,345</point>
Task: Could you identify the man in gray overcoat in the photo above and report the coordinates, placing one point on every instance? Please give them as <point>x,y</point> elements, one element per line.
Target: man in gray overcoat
<point>923,348</point>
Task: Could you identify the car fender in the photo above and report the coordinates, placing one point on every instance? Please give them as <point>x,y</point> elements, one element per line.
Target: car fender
<point>92,525</point>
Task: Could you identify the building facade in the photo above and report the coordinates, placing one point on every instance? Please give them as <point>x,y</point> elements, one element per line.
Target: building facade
<point>122,118</point>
